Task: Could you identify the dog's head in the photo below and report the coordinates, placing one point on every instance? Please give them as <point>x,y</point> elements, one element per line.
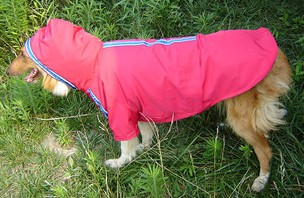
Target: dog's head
<point>23,63</point>
<point>62,54</point>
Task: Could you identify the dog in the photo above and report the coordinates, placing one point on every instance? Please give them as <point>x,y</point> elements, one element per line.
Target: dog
<point>136,82</point>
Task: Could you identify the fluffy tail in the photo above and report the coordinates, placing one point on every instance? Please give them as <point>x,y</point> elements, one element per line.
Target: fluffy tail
<point>269,112</point>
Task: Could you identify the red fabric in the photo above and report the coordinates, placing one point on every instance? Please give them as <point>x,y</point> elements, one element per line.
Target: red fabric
<point>155,80</point>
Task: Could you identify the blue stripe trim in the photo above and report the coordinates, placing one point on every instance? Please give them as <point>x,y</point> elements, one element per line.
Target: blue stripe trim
<point>42,66</point>
<point>147,43</point>
<point>98,103</point>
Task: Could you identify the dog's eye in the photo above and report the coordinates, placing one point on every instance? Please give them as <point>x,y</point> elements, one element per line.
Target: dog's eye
<point>22,54</point>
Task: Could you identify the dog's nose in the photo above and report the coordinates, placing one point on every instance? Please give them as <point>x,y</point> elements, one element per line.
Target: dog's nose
<point>7,72</point>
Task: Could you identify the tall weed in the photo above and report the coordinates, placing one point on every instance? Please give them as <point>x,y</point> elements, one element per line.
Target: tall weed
<point>145,19</point>
<point>152,181</point>
<point>13,22</point>
<point>93,16</point>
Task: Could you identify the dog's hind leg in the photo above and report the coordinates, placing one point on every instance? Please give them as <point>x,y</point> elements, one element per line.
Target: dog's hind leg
<point>256,112</point>
<point>239,116</point>
<point>147,132</point>
<point>128,152</point>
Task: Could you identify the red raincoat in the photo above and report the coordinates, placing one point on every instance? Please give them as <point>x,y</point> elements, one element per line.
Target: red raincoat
<point>153,80</point>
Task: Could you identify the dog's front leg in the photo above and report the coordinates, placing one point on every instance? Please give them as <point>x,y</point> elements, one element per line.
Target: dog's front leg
<point>147,132</point>
<point>128,152</point>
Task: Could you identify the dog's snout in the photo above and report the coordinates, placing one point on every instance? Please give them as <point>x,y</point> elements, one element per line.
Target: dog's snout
<point>8,72</point>
<point>13,70</point>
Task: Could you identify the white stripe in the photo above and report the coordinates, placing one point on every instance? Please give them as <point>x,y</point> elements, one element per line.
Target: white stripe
<point>98,103</point>
<point>147,43</point>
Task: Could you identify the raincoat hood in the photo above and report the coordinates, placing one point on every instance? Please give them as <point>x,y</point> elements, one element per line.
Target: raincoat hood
<point>65,51</point>
<point>153,80</point>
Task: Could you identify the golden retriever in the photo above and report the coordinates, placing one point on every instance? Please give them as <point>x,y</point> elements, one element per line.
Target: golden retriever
<point>251,114</point>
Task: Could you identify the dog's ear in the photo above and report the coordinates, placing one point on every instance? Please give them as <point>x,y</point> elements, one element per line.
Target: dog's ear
<point>23,52</point>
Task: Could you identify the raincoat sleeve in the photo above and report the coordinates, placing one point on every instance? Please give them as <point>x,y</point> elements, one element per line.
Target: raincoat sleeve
<point>123,122</point>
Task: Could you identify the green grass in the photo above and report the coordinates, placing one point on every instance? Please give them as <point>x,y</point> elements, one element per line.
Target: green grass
<point>195,157</point>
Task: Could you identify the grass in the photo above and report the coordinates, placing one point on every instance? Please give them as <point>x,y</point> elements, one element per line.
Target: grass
<point>195,157</point>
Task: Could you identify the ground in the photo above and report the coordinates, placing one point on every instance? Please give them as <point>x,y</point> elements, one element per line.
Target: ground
<point>196,157</point>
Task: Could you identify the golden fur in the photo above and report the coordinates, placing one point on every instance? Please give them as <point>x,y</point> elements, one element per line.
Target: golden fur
<point>251,115</point>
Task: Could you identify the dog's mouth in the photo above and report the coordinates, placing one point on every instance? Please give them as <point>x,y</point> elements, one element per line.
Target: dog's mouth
<point>33,76</point>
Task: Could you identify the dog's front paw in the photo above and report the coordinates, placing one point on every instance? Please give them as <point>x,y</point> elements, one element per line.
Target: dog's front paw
<point>260,183</point>
<point>117,163</point>
<point>142,147</point>
<point>112,163</point>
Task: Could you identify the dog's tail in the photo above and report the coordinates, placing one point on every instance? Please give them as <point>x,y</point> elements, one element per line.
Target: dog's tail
<point>260,106</point>
<point>269,112</point>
